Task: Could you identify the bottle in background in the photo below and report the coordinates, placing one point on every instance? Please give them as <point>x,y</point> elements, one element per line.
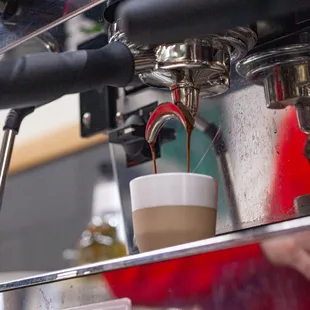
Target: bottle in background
<point>103,238</point>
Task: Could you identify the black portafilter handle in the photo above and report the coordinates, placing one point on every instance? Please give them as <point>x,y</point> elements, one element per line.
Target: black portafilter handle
<point>34,80</point>
<point>166,21</point>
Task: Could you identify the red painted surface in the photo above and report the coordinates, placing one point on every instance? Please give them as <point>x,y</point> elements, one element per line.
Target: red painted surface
<point>236,278</point>
<point>291,177</point>
<point>180,279</point>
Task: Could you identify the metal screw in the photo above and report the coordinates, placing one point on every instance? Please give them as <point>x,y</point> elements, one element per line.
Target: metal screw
<point>86,119</point>
<point>119,118</point>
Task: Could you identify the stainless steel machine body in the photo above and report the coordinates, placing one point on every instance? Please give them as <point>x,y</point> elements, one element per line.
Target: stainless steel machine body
<point>248,118</point>
<point>193,69</point>
<point>201,72</point>
<point>250,134</point>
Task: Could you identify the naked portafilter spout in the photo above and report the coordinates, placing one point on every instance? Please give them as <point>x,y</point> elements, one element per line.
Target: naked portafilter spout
<point>283,71</point>
<point>190,69</point>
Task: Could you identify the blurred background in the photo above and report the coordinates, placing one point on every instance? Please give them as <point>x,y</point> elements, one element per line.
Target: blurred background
<point>62,205</point>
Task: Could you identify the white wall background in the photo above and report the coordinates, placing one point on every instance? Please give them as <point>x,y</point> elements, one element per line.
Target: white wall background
<point>52,117</point>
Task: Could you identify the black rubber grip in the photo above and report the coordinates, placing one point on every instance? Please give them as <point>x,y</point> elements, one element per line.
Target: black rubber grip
<point>37,79</point>
<point>166,21</point>
<point>15,118</point>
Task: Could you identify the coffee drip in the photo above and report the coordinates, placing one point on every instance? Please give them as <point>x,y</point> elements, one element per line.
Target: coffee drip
<point>163,113</point>
<point>152,147</point>
<point>189,130</point>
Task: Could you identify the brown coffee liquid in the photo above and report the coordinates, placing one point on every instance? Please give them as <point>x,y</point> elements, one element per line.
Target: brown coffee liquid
<point>158,227</point>
<point>189,130</point>
<point>152,147</point>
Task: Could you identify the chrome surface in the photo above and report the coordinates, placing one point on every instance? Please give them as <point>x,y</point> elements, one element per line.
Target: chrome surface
<point>192,69</point>
<point>49,42</point>
<point>188,94</point>
<point>284,73</point>
<point>225,168</point>
<point>203,64</point>
<point>195,63</point>
<point>247,164</point>
<point>42,43</point>
<point>33,19</point>
<point>5,158</point>
<point>144,62</point>
<point>251,135</point>
<point>218,243</point>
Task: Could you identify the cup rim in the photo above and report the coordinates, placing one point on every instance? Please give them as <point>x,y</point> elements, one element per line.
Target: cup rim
<point>164,174</point>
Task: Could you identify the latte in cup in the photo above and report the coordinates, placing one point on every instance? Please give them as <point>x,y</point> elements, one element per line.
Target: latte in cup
<point>173,208</point>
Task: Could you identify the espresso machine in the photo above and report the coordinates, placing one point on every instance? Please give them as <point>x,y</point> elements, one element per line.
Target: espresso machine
<point>175,60</point>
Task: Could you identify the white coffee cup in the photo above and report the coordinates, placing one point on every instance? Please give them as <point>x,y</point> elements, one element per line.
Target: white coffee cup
<point>173,208</point>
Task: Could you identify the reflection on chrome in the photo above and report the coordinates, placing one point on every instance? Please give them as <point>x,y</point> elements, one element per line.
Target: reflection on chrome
<point>21,26</point>
<point>249,236</point>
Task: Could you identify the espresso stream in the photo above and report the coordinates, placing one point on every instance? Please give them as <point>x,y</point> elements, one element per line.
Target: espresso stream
<point>152,147</point>
<point>189,130</point>
<point>156,227</point>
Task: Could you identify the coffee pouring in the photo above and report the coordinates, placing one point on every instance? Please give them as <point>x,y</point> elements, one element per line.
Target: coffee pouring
<point>163,113</point>
<point>161,216</point>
